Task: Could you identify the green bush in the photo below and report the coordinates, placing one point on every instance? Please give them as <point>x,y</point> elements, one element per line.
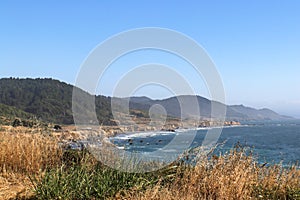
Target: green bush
<point>83,179</point>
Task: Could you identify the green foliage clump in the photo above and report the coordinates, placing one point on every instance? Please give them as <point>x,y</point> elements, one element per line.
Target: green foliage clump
<point>85,179</point>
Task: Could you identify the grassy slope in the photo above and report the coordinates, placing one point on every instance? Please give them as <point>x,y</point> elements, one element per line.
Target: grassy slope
<point>77,175</point>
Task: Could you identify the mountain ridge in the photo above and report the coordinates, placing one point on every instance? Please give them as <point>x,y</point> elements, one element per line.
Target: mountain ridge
<point>233,112</point>
<point>51,100</point>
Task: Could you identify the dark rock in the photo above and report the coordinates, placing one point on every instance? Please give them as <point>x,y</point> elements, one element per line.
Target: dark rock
<point>57,127</point>
<point>17,122</point>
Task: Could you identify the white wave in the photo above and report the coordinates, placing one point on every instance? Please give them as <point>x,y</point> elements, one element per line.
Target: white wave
<point>142,135</point>
<point>165,133</point>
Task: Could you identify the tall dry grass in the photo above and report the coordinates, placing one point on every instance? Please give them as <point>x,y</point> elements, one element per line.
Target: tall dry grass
<point>231,176</point>
<point>23,151</point>
<point>234,175</point>
<point>15,186</point>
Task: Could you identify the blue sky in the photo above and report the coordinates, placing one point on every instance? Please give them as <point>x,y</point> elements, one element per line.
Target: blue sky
<point>254,44</point>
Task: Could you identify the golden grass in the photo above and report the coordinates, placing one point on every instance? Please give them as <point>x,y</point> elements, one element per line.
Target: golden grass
<point>27,152</point>
<point>15,185</point>
<point>24,151</point>
<point>232,176</point>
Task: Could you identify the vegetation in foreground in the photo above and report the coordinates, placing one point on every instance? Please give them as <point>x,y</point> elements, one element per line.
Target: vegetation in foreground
<point>34,167</point>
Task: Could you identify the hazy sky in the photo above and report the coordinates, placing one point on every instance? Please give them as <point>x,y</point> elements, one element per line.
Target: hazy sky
<point>254,44</point>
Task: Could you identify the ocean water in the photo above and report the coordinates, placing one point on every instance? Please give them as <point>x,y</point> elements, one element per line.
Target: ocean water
<point>271,142</point>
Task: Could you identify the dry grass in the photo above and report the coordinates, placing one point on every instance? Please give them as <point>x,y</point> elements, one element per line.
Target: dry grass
<point>15,186</point>
<point>231,176</point>
<point>22,151</point>
<point>234,175</point>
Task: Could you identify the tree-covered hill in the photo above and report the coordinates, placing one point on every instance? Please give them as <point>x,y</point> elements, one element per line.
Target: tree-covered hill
<point>10,113</point>
<point>49,100</point>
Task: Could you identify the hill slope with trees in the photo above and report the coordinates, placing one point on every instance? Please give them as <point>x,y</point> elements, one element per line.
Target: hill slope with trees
<point>51,101</point>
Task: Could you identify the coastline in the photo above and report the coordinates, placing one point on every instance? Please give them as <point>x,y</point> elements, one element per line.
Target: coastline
<point>78,170</point>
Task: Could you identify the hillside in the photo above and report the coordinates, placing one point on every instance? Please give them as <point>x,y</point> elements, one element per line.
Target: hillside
<point>51,101</point>
<point>9,113</point>
<point>255,114</point>
<point>235,112</point>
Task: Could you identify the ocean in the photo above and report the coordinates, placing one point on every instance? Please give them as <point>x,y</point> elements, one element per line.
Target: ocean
<point>271,142</point>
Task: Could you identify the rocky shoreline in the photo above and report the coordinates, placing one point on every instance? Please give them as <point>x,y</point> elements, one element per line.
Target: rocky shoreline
<point>72,137</point>
<point>77,137</point>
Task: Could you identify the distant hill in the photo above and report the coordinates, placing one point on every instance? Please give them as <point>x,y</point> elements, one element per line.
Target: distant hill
<point>261,114</point>
<point>51,100</point>
<point>235,112</point>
